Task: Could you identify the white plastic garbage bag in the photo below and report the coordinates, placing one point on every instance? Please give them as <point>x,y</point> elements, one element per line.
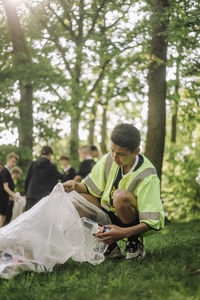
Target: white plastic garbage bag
<point>49,233</point>
<point>18,206</point>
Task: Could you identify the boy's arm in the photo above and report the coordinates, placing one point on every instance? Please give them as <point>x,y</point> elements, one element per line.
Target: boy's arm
<point>117,233</point>
<point>72,185</point>
<point>8,190</point>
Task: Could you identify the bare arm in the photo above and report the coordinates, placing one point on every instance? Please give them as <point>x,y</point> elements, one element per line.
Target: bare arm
<point>77,178</point>
<point>72,185</point>
<point>8,190</point>
<point>118,233</point>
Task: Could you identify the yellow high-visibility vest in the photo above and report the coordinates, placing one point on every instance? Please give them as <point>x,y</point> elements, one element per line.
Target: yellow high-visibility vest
<point>143,183</point>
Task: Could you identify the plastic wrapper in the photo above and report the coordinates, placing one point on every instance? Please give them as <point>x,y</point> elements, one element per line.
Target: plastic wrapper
<point>50,233</point>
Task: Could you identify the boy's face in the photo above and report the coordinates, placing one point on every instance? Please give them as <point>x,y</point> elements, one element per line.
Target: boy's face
<point>122,156</point>
<point>11,163</point>
<point>16,175</point>
<point>94,153</point>
<point>64,162</point>
<point>82,154</point>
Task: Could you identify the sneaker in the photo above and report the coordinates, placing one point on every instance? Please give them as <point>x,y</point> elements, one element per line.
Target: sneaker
<point>113,252</point>
<point>135,250</point>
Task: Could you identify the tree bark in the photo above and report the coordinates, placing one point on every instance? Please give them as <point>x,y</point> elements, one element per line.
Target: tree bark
<point>104,131</point>
<point>157,86</point>
<point>22,61</point>
<point>175,113</point>
<point>92,124</point>
<point>25,126</point>
<point>74,140</point>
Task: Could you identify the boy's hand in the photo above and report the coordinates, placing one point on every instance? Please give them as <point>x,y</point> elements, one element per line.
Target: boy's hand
<point>69,186</point>
<point>115,234</point>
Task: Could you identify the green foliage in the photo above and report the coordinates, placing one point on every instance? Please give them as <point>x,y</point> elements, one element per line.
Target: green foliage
<point>96,53</point>
<point>72,46</point>
<point>180,191</point>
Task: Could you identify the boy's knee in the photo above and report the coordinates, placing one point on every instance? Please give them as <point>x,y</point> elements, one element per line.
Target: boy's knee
<point>122,198</point>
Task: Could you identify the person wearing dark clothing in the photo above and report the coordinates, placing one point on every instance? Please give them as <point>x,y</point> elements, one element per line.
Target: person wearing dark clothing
<point>1,166</point>
<point>67,169</point>
<point>15,173</point>
<point>7,187</point>
<point>40,179</point>
<point>95,153</point>
<point>86,165</point>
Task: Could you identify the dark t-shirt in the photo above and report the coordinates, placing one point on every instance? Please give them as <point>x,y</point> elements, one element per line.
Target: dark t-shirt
<point>69,174</point>
<point>119,177</point>
<point>5,176</point>
<point>41,178</point>
<point>85,167</point>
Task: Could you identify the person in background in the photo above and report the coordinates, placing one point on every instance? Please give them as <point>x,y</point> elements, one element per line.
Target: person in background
<point>15,173</point>
<point>95,153</point>
<point>7,186</point>
<point>41,178</point>
<point>67,169</point>
<point>86,165</point>
<point>1,166</point>
<point>54,178</point>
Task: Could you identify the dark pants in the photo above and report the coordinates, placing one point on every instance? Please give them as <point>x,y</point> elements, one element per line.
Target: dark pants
<point>9,212</point>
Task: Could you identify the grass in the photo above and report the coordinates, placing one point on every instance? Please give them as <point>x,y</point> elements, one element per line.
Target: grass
<point>170,272</point>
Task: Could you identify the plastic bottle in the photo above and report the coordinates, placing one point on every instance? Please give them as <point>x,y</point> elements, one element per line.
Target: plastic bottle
<point>6,256</point>
<point>97,248</point>
<point>92,226</point>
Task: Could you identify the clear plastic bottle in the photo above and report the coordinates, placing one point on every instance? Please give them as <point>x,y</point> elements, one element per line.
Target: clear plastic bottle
<point>90,225</point>
<point>97,248</point>
<point>6,256</point>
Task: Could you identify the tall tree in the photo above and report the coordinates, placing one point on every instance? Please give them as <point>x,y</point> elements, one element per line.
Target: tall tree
<point>176,104</point>
<point>92,123</point>
<point>22,64</point>
<point>86,36</point>
<point>157,85</point>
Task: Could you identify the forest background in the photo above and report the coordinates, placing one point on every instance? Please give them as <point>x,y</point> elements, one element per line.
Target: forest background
<point>71,70</point>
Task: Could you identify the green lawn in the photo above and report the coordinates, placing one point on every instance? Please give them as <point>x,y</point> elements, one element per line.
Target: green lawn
<point>171,270</point>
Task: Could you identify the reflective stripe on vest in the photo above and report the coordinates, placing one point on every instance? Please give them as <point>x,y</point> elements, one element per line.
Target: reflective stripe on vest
<point>92,185</point>
<point>108,165</point>
<point>149,216</point>
<point>140,177</point>
<point>136,180</point>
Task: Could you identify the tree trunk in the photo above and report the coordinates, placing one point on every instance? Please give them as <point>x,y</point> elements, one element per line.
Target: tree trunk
<point>174,124</point>
<point>157,86</point>
<point>92,124</point>
<point>22,61</point>
<point>104,131</point>
<point>74,140</point>
<point>26,117</point>
<point>177,96</point>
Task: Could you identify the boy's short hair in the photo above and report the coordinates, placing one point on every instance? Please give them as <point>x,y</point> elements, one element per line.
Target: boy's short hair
<point>46,150</point>
<point>12,155</point>
<point>85,149</point>
<point>16,170</point>
<point>64,157</point>
<point>93,148</point>
<point>126,136</point>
